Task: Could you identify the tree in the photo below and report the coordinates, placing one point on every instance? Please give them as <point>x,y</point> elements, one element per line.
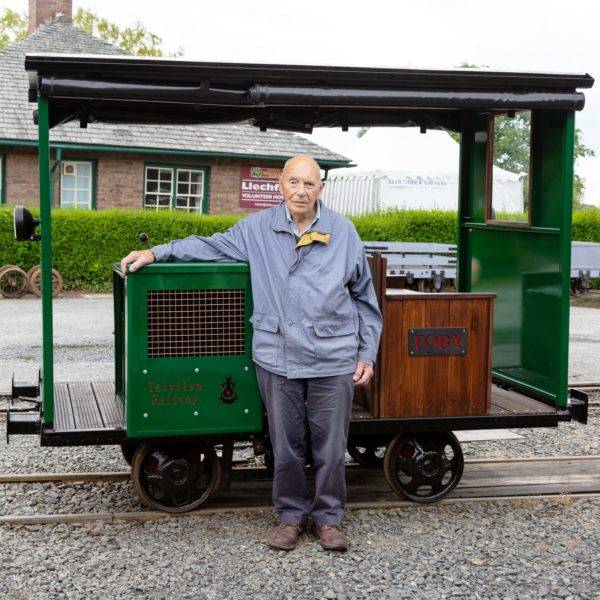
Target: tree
<point>13,27</point>
<point>512,144</point>
<point>134,40</point>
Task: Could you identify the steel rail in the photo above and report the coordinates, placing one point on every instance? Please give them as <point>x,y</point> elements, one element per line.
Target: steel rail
<point>115,476</point>
<point>81,518</point>
<point>551,488</point>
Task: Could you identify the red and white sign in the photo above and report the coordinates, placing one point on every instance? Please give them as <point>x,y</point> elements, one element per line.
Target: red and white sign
<point>259,187</point>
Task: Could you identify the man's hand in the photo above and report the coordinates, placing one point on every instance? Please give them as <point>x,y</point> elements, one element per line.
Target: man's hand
<point>363,373</point>
<point>136,260</point>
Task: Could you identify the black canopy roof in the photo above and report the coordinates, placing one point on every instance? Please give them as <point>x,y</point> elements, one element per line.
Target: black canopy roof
<point>293,97</point>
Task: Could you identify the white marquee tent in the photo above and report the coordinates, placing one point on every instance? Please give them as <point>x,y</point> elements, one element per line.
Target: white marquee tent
<point>354,191</point>
<point>403,168</point>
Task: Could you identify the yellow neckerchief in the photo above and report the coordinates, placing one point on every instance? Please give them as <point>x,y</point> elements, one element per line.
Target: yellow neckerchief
<point>313,236</point>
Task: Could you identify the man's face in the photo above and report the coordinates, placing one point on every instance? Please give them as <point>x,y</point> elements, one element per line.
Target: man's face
<point>301,185</point>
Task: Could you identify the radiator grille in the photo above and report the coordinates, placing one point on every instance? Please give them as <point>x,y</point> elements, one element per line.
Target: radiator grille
<point>196,323</point>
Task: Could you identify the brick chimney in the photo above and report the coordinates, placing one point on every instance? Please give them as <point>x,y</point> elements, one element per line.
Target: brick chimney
<point>45,11</point>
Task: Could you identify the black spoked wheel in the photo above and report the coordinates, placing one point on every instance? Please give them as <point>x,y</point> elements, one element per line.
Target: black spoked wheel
<point>424,467</point>
<point>128,451</point>
<point>175,477</point>
<point>366,456</point>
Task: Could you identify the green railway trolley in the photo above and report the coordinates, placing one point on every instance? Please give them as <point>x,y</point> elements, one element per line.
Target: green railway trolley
<point>493,354</point>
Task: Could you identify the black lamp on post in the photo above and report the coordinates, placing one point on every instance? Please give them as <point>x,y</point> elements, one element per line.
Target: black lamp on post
<point>24,225</point>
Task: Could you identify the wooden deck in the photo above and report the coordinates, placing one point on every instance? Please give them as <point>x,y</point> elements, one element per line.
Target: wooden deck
<point>86,406</point>
<point>89,406</point>
<point>504,402</point>
<point>510,402</point>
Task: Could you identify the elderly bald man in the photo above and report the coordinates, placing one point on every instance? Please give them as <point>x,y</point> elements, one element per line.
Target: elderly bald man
<point>316,325</point>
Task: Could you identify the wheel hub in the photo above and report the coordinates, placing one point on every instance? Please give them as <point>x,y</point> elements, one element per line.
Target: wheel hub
<point>176,471</point>
<point>429,464</point>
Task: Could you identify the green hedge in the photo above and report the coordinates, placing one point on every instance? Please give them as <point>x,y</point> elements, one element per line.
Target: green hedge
<point>86,244</point>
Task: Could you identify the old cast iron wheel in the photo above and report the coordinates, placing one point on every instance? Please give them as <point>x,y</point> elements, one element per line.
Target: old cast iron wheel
<point>13,282</point>
<point>175,477</point>
<point>366,456</point>
<point>34,277</point>
<point>423,467</point>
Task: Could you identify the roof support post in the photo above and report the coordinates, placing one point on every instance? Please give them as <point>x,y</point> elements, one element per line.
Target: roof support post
<point>47,384</point>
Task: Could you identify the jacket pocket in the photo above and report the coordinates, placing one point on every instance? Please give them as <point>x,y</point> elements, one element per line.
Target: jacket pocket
<point>336,343</point>
<point>266,340</point>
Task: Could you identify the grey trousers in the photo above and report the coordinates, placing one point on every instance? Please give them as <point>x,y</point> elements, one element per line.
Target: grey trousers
<point>325,405</point>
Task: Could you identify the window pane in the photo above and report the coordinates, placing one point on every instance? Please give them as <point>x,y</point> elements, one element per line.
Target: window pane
<point>76,184</point>
<point>152,186</point>
<point>67,196</point>
<point>183,175</point>
<point>68,181</point>
<point>83,169</point>
<point>181,202</point>
<point>183,188</point>
<point>195,189</point>
<point>511,146</point>
<point>195,176</point>
<point>164,200</point>
<point>150,200</point>
<point>152,173</point>
<point>165,186</point>
<point>166,174</point>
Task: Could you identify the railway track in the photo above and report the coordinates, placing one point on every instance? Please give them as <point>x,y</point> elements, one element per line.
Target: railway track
<point>484,480</point>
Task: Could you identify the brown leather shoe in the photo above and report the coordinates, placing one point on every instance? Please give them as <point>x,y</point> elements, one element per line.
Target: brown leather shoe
<point>285,536</point>
<point>332,537</point>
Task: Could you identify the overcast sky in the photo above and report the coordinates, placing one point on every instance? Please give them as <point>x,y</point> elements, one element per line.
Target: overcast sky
<point>544,35</point>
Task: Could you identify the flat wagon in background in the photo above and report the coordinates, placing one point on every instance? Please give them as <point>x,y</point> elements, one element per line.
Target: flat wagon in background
<point>491,355</point>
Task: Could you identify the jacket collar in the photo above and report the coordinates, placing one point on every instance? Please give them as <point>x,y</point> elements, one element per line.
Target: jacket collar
<point>279,220</point>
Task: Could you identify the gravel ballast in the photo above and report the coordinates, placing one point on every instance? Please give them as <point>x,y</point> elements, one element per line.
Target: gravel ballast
<point>509,549</point>
<point>492,550</point>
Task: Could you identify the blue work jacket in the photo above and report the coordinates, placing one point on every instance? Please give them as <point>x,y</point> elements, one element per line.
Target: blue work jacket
<point>315,309</point>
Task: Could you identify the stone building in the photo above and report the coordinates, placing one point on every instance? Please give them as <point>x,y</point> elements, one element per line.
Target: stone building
<point>204,168</point>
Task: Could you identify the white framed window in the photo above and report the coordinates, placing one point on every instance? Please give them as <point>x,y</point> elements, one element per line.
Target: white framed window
<point>158,190</point>
<point>181,188</point>
<point>76,184</point>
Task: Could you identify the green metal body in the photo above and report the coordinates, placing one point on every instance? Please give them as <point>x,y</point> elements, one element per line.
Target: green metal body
<point>47,370</point>
<point>182,395</point>
<point>527,266</point>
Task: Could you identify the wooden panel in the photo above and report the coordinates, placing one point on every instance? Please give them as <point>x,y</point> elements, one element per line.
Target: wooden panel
<point>63,412</point>
<point>391,363</point>
<point>110,406</point>
<point>457,399</point>
<point>85,409</point>
<point>435,385</point>
<point>368,396</point>
<point>477,356</point>
<point>441,385</point>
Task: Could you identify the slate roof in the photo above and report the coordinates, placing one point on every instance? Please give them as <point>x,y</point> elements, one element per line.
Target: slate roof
<point>16,112</point>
